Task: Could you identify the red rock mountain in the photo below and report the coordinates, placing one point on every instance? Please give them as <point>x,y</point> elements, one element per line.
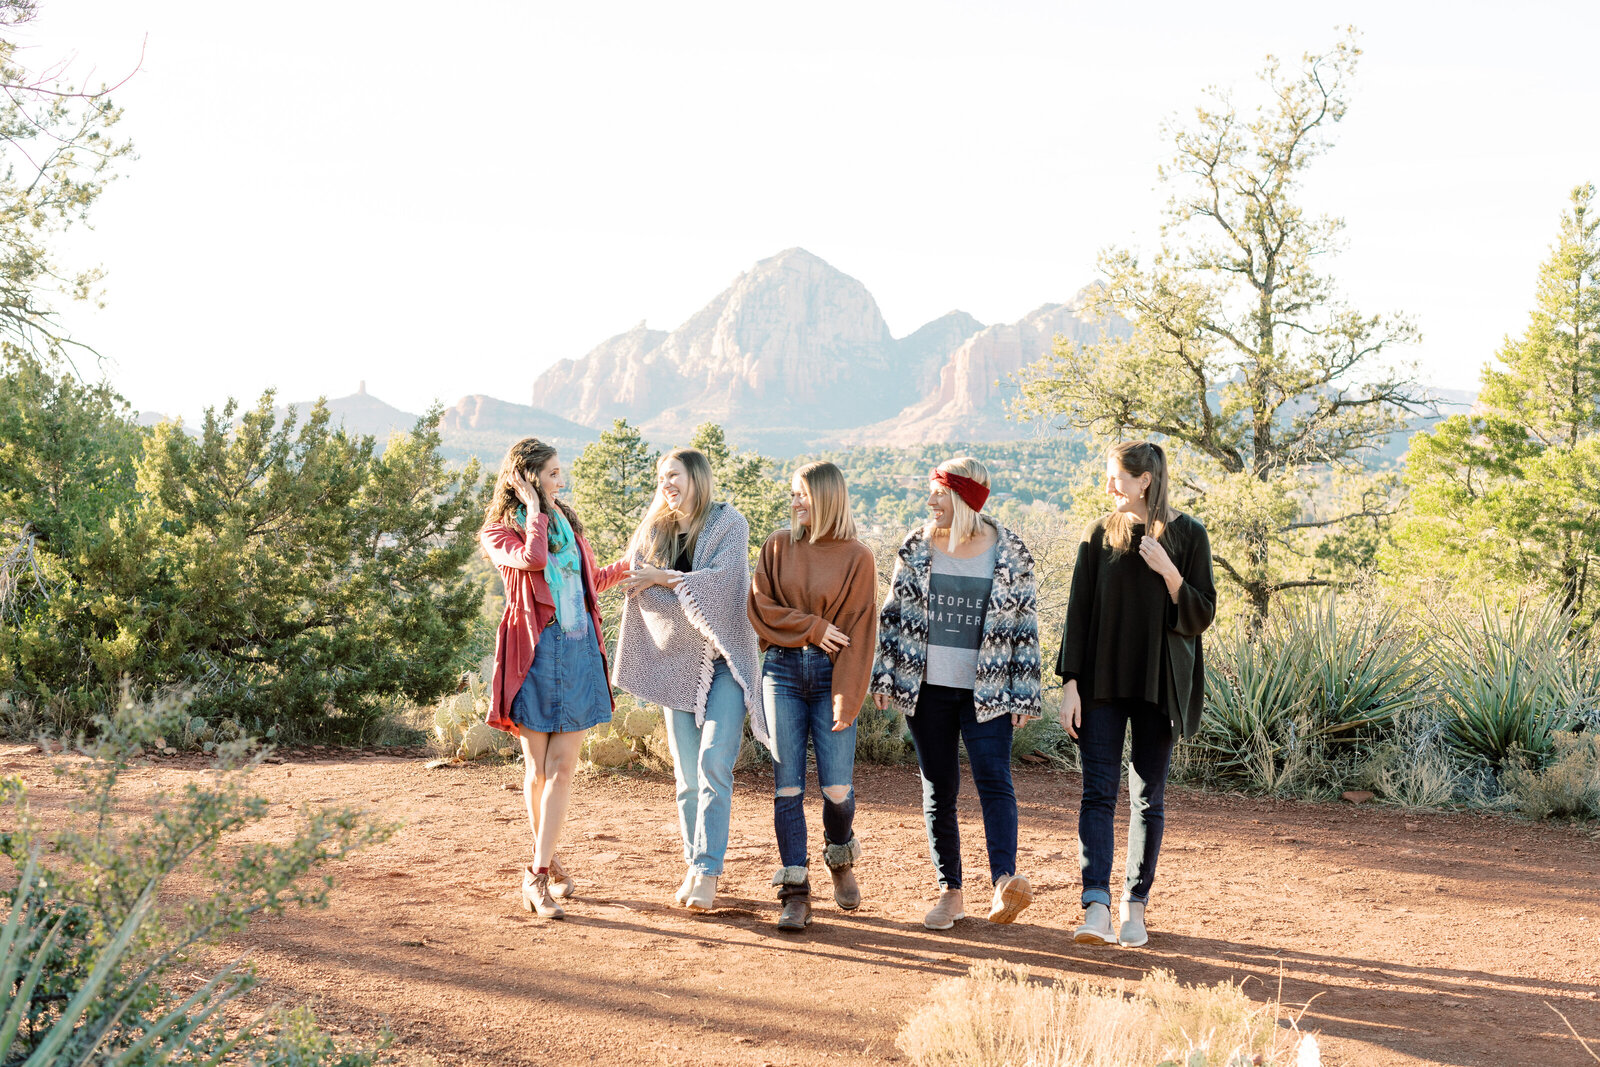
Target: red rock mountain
<point>795,354</point>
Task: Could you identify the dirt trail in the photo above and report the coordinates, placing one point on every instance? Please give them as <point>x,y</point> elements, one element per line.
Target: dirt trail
<point>1422,938</point>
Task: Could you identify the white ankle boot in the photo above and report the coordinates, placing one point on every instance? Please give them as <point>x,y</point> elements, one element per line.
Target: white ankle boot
<point>1096,928</point>
<point>1131,933</point>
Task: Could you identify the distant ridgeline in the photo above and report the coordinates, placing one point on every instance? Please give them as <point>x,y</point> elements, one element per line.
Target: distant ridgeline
<point>793,357</point>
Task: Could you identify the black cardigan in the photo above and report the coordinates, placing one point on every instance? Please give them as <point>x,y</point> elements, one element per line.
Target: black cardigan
<point>1119,607</point>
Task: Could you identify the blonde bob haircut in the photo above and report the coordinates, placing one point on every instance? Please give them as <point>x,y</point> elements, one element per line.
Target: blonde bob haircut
<point>657,539</point>
<point>830,504</point>
<point>964,522</point>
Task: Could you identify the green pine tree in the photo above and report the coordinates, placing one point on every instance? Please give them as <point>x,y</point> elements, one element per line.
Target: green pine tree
<point>745,479</point>
<point>1262,381</point>
<point>616,477</point>
<point>1511,492</point>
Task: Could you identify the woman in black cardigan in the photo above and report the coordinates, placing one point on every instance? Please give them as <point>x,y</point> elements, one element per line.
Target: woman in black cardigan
<point>1142,594</point>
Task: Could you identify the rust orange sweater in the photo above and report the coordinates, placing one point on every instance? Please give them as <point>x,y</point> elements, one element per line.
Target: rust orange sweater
<point>800,587</point>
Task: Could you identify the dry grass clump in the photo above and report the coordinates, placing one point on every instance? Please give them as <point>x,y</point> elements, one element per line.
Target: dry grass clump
<point>1567,785</point>
<point>997,1017</point>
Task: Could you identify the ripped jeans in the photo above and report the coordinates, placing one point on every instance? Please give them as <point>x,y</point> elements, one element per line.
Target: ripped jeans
<point>798,686</point>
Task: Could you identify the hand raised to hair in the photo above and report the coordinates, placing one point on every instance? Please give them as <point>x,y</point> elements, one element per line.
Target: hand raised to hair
<point>1156,558</point>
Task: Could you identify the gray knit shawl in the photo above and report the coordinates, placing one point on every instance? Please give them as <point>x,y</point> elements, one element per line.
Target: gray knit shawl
<point>666,652</point>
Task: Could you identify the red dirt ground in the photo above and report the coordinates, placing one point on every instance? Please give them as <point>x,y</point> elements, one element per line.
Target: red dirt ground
<point>1424,938</point>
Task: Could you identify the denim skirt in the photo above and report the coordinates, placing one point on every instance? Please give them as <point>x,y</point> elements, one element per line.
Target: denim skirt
<point>566,688</point>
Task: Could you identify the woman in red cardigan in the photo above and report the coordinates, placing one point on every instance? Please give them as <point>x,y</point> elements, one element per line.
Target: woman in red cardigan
<point>549,682</point>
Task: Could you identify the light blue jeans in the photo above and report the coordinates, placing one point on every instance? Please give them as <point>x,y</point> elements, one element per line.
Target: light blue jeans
<point>702,762</point>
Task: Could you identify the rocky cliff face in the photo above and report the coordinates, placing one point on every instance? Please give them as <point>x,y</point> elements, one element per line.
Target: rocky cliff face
<point>792,346</point>
<point>968,403</point>
<point>794,354</point>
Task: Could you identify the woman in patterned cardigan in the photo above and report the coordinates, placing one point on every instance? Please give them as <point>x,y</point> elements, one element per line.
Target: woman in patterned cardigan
<point>958,655</point>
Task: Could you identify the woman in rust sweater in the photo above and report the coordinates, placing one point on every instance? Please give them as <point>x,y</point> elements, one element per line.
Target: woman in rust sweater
<point>813,604</point>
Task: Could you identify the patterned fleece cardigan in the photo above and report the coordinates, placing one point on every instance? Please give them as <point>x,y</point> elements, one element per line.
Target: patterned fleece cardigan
<point>666,652</point>
<point>1008,657</point>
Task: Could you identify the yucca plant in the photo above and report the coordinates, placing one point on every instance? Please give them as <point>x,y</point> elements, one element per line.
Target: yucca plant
<point>1510,679</point>
<point>1359,666</point>
<point>80,1032</point>
<point>1255,701</point>
<point>84,954</point>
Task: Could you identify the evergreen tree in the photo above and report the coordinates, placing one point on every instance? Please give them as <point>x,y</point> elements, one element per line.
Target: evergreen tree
<point>284,571</point>
<point>616,477</point>
<point>745,478</point>
<point>1242,354</point>
<point>1512,491</point>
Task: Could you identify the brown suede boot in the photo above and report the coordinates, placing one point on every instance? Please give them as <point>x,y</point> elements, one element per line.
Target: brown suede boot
<point>794,890</point>
<point>841,860</point>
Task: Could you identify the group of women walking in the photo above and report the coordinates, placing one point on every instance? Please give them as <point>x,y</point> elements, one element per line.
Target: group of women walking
<point>796,648</point>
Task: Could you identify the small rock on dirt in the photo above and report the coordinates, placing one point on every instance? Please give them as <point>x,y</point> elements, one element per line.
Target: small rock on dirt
<point>1357,796</point>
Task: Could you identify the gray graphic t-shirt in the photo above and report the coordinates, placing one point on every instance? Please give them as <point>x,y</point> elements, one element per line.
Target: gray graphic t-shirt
<point>958,599</point>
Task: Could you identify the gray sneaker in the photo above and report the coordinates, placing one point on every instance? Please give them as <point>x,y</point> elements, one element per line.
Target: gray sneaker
<point>1096,928</point>
<point>1131,933</point>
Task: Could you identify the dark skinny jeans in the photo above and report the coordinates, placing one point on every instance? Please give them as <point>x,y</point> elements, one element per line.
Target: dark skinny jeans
<point>944,718</point>
<point>1100,746</point>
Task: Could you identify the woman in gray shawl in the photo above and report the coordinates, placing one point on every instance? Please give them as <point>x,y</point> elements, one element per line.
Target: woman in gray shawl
<point>687,644</point>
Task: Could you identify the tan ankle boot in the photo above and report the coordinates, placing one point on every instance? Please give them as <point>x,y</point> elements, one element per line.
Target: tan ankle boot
<point>536,895</point>
<point>945,913</point>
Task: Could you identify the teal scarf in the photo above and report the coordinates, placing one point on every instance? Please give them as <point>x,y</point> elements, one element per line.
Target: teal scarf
<point>563,572</point>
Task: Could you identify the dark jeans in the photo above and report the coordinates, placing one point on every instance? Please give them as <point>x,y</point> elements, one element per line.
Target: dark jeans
<point>1100,745</point>
<point>944,717</point>
<point>798,686</point>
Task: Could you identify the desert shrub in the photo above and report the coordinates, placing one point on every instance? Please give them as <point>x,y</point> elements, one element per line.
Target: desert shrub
<point>1567,784</point>
<point>1508,680</point>
<point>1043,738</point>
<point>881,736</point>
<point>98,950</point>
<point>996,1016</point>
<point>288,573</point>
<point>1414,766</point>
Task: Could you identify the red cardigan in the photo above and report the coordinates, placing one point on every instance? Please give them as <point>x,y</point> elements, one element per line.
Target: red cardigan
<point>530,606</point>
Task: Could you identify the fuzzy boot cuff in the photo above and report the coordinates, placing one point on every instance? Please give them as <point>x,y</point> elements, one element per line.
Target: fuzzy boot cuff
<point>838,857</point>
<point>788,876</point>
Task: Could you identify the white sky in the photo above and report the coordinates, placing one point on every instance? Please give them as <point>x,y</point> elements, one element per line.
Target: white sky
<point>444,199</point>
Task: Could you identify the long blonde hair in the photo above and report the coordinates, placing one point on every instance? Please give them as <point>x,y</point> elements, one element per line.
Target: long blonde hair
<point>964,522</point>
<point>657,539</point>
<point>1140,457</point>
<point>830,504</point>
<point>529,456</point>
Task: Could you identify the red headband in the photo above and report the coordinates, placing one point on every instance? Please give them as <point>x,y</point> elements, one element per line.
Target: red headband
<point>972,493</point>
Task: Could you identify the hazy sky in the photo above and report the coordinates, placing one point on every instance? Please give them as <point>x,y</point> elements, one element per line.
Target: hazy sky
<point>444,199</point>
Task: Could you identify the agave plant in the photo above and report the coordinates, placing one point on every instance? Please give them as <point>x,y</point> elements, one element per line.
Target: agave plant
<point>1511,679</point>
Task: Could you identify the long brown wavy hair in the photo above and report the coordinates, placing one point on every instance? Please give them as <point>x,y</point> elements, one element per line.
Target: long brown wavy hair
<point>529,456</point>
<point>1141,457</point>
